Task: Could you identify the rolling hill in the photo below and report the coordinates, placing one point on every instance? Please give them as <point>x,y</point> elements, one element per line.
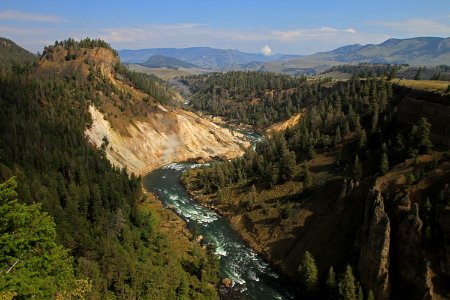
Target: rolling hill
<point>161,61</point>
<point>419,51</point>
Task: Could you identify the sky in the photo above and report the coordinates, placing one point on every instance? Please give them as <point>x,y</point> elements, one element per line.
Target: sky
<point>268,27</point>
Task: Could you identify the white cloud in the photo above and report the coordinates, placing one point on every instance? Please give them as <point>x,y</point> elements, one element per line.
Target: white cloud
<point>266,50</point>
<point>31,17</point>
<point>289,41</point>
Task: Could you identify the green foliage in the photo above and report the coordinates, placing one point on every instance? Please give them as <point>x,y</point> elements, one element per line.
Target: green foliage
<point>148,83</point>
<point>32,264</point>
<point>15,58</point>
<point>307,177</point>
<point>257,98</point>
<point>309,274</point>
<point>94,205</point>
<point>370,295</point>
<point>70,44</point>
<point>384,163</point>
<point>347,285</point>
<point>357,169</point>
<point>423,136</point>
<point>337,136</point>
<point>331,279</point>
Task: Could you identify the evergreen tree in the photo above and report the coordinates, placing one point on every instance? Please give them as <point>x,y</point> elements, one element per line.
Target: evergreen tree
<point>370,295</point>
<point>287,165</point>
<point>307,177</point>
<point>331,279</point>
<point>309,273</point>
<point>346,129</point>
<point>33,265</point>
<point>337,136</point>
<point>423,136</point>
<point>384,163</point>
<point>362,139</point>
<point>347,286</point>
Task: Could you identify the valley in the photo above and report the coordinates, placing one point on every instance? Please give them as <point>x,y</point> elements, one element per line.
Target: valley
<point>178,167</point>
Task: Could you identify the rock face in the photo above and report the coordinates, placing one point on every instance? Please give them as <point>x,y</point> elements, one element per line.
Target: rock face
<point>415,104</point>
<point>412,266</point>
<point>169,135</point>
<point>373,264</point>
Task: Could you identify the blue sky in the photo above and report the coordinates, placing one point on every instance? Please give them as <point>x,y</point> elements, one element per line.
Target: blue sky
<point>289,26</point>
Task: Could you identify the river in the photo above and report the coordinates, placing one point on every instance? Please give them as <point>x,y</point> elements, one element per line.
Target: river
<point>253,278</point>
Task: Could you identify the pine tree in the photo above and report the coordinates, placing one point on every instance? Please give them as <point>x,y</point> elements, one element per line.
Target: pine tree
<point>331,278</point>
<point>362,139</point>
<point>33,265</point>
<point>309,274</point>
<point>346,129</point>
<point>308,180</point>
<point>337,137</point>
<point>384,163</point>
<point>370,296</point>
<point>347,287</point>
<point>287,165</point>
<point>423,136</point>
<point>360,291</point>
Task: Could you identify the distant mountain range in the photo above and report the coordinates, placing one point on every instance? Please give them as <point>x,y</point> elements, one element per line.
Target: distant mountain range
<point>427,51</point>
<point>413,51</point>
<point>203,57</point>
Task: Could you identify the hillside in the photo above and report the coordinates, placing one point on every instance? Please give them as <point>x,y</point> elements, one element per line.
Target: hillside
<point>255,98</point>
<point>132,115</point>
<point>361,180</point>
<point>422,51</point>
<point>108,238</point>
<point>12,55</point>
<point>161,61</point>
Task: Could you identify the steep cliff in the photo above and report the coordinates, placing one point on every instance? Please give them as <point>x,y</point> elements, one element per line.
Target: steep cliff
<point>169,135</point>
<point>415,104</point>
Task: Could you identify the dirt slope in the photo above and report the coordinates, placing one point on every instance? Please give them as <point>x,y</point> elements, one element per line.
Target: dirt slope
<point>168,135</point>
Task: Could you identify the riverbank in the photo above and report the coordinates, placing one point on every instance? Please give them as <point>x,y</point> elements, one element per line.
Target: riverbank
<point>235,219</point>
<point>262,238</point>
<point>253,278</point>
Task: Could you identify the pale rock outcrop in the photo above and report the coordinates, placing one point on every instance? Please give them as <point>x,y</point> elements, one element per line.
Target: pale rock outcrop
<point>168,135</point>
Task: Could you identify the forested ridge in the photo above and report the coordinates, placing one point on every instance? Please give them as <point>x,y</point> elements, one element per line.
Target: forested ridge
<point>351,135</point>
<point>99,211</point>
<point>255,98</point>
<point>13,57</point>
